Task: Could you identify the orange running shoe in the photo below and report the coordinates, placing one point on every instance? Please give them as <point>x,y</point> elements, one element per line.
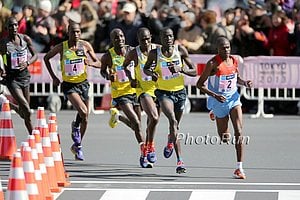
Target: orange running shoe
<point>239,174</point>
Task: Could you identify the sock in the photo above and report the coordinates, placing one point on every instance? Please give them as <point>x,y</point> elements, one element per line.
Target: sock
<point>150,144</point>
<point>142,148</point>
<point>169,139</point>
<point>179,159</point>
<point>240,165</point>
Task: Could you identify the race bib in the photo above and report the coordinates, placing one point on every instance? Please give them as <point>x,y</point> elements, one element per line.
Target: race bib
<point>227,83</point>
<point>144,76</point>
<point>17,58</point>
<point>166,74</point>
<point>74,67</point>
<point>121,75</point>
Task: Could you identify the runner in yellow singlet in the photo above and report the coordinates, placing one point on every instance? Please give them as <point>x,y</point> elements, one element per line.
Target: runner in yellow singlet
<point>144,87</point>
<point>166,66</point>
<point>123,95</point>
<point>74,62</point>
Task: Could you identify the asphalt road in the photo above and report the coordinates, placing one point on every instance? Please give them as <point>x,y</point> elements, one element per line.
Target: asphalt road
<point>111,167</point>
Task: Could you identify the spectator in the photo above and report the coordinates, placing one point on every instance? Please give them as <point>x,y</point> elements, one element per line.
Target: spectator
<point>29,12</point>
<point>44,28</point>
<point>162,18</point>
<point>60,18</point>
<point>297,28</point>
<point>101,41</point>
<point>89,20</point>
<point>17,12</point>
<point>261,22</point>
<point>243,41</point>
<point>228,22</point>
<point>4,14</point>
<point>279,39</point>
<point>129,23</point>
<point>211,32</point>
<point>189,35</point>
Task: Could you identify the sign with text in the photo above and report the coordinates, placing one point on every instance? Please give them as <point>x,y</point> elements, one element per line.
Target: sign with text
<point>272,72</point>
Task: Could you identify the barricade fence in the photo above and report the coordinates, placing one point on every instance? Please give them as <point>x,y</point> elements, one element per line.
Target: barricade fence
<point>274,78</point>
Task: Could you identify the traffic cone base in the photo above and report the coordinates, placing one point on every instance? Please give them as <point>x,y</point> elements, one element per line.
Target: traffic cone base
<point>16,188</point>
<point>56,152</point>
<point>1,191</point>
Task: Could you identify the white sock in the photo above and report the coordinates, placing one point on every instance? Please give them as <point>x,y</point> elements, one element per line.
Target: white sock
<point>240,165</point>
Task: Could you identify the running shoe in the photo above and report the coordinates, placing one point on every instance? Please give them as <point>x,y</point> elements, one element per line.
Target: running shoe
<point>239,174</point>
<point>168,150</point>
<point>151,155</point>
<point>212,116</point>
<point>113,121</point>
<point>76,135</point>
<point>144,162</point>
<point>180,167</point>
<point>77,151</point>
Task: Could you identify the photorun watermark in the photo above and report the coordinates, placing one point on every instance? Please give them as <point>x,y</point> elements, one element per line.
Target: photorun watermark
<point>212,140</point>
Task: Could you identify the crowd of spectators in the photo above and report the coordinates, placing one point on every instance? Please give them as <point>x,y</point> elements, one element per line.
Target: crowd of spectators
<point>254,27</point>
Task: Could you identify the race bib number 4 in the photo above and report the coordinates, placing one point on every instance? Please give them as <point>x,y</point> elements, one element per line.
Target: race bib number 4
<point>17,58</point>
<point>227,83</point>
<point>74,67</point>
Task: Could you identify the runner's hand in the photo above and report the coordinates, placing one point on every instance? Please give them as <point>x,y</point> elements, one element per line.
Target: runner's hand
<point>23,65</point>
<point>112,77</point>
<point>134,83</point>
<point>174,69</point>
<point>248,83</point>
<point>154,76</point>
<point>220,98</point>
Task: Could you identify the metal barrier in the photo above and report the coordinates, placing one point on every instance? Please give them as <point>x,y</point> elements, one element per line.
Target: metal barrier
<point>269,94</point>
<point>269,75</point>
<point>274,79</point>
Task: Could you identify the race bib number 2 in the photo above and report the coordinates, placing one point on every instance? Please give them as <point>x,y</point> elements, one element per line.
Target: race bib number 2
<point>227,83</point>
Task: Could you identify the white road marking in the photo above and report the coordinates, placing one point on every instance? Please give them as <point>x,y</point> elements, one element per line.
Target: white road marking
<point>289,195</point>
<point>184,183</point>
<point>213,195</point>
<point>125,194</point>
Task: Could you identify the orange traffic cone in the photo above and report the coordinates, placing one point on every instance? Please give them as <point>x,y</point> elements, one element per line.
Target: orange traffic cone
<point>16,189</point>
<point>28,167</point>
<point>56,152</point>
<point>52,116</point>
<point>43,170</point>
<point>1,191</point>
<point>49,162</point>
<point>7,136</point>
<point>40,117</point>
<point>36,164</point>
